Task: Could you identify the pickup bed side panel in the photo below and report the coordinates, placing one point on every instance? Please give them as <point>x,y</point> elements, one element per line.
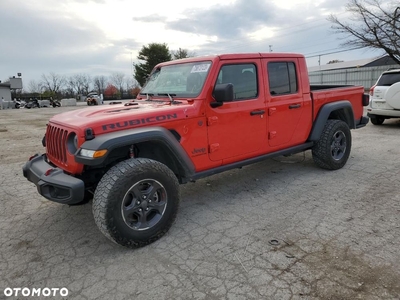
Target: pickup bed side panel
<point>325,94</point>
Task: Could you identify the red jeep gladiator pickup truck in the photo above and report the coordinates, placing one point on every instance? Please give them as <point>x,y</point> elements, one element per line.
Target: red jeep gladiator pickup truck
<point>193,118</point>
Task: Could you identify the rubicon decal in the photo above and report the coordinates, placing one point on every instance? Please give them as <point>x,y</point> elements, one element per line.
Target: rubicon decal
<point>136,122</point>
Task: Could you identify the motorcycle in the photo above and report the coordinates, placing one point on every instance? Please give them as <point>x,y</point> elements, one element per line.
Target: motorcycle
<point>19,103</point>
<point>32,104</point>
<point>55,103</point>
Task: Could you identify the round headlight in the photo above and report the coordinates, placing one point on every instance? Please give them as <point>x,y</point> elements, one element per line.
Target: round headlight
<point>76,141</point>
<point>72,143</point>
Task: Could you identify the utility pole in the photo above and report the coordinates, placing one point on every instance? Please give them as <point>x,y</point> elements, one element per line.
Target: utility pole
<point>131,65</point>
<point>270,48</point>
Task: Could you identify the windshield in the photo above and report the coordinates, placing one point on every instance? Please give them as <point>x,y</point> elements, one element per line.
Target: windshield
<point>180,80</point>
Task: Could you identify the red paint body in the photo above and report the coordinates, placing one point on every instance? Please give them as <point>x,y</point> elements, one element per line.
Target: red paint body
<point>217,136</point>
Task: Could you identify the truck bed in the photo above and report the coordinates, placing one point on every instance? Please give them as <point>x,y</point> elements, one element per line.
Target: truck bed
<point>317,87</point>
<point>323,94</point>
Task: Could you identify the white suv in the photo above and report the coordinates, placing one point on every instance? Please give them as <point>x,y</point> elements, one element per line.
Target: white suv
<point>384,100</point>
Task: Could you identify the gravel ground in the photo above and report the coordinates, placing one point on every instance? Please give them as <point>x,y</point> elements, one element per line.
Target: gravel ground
<point>279,229</point>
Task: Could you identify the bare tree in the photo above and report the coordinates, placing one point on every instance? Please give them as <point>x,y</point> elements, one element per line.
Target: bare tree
<point>34,87</point>
<point>68,92</point>
<point>85,80</point>
<point>117,79</point>
<point>182,53</point>
<point>80,83</point>
<point>100,83</point>
<point>375,24</point>
<point>129,83</point>
<point>53,82</point>
<point>73,85</point>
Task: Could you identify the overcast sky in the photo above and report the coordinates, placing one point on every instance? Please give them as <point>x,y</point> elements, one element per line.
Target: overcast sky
<point>99,37</point>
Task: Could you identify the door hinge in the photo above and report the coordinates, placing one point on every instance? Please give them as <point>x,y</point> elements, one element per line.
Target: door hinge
<point>271,111</point>
<point>212,120</point>
<point>214,147</point>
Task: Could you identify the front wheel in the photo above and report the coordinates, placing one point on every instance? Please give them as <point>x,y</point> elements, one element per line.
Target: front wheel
<point>333,148</point>
<point>136,202</point>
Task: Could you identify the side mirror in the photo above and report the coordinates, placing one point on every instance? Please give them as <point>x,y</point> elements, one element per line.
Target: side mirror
<point>222,93</point>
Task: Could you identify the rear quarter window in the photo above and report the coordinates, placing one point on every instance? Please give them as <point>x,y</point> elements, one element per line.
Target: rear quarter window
<point>388,79</point>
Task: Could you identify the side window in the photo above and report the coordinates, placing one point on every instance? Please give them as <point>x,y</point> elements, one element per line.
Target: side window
<point>282,78</point>
<point>244,80</point>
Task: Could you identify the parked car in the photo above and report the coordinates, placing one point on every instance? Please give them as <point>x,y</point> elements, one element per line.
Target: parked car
<point>94,99</point>
<point>385,97</point>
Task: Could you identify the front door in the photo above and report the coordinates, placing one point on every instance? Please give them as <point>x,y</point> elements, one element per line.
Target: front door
<point>238,127</point>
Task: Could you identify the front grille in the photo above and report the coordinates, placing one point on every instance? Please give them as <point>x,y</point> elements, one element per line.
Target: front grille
<point>56,139</point>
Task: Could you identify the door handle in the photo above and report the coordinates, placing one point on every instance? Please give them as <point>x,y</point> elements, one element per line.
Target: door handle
<point>293,106</point>
<point>257,112</point>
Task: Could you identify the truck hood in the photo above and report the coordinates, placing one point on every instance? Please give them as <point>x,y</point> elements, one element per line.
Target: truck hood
<point>108,118</point>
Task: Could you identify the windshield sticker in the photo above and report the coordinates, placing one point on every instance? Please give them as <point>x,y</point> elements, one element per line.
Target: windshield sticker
<point>200,68</point>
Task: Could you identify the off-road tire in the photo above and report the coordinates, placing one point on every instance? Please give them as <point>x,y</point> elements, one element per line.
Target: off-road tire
<point>377,120</point>
<point>334,145</point>
<point>123,181</point>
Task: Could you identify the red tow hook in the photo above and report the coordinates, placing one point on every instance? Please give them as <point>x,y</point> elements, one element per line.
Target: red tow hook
<point>48,172</point>
<point>32,157</point>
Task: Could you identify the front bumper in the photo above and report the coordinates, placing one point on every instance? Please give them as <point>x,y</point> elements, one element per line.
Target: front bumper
<point>52,183</point>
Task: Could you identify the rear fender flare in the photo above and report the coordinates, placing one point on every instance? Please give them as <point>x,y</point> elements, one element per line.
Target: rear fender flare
<point>344,111</point>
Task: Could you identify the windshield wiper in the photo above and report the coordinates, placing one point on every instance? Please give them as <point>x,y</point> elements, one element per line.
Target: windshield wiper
<point>169,96</point>
<point>147,95</point>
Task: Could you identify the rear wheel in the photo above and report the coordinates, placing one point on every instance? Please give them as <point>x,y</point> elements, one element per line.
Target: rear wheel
<point>377,120</point>
<point>333,148</point>
<point>136,202</point>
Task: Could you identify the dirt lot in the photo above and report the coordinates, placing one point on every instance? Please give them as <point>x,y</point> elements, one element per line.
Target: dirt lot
<point>280,229</point>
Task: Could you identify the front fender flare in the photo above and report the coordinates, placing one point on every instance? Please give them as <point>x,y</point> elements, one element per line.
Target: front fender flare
<point>114,140</point>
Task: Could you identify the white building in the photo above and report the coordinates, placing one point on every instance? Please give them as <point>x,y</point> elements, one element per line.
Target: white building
<point>363,72</point>
<point>6,87</point>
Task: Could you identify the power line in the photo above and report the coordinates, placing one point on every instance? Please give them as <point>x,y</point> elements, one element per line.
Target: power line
<point>327,53</point>
<point>293,29</point>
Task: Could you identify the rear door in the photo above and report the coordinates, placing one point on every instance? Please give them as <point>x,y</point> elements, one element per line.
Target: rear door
<point>286,105</point>
<point>238,127</point>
